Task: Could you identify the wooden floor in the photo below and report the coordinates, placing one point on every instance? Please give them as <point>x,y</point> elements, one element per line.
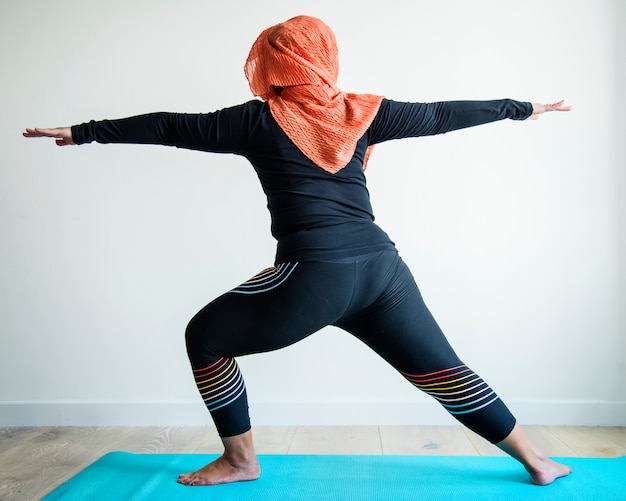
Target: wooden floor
<point>35,460</point>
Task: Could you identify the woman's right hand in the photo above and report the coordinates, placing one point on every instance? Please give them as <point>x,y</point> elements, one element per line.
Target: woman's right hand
<point>540,108</point>
<point>63,135</point>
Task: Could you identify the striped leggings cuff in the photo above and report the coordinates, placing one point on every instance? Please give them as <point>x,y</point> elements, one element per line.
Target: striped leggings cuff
<point>220,384</point>
<point>459,389</point>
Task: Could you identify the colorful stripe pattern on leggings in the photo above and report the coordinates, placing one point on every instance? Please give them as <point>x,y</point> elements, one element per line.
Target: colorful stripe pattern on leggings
<point>266,280</point>
<point>220,383</point>
<point>459,389</point>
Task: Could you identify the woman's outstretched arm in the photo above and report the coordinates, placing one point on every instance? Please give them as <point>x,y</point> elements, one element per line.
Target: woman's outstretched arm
<point>219,131</point>
<point>397,120</point>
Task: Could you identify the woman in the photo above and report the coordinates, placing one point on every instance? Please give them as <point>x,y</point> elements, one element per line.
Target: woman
<point>309,143</point>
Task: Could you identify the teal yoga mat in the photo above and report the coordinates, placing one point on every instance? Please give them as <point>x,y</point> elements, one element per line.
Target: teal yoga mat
<point>125,476</point>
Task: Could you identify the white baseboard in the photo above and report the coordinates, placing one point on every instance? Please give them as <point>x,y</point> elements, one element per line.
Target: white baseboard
<point>191,413</point>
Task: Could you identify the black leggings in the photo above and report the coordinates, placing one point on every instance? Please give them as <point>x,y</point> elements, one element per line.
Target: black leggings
<point>374,297</point>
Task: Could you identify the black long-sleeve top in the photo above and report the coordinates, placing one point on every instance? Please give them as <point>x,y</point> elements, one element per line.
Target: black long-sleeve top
<point>314,214</point>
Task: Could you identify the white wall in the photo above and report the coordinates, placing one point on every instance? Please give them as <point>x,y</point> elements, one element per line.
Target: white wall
<point>513,230</point>
<point>620,169</point>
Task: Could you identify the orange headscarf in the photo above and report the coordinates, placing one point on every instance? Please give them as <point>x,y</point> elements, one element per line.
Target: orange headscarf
<point>294,67</point>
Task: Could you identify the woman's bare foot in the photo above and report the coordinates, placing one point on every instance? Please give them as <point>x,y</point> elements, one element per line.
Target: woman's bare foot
<point>238,463</point>
<point>222,471</point>
<point>547,471</point>
<point>542,470</point>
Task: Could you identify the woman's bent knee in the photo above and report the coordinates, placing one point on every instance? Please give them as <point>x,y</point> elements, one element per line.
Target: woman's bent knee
<point>198,339</point>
